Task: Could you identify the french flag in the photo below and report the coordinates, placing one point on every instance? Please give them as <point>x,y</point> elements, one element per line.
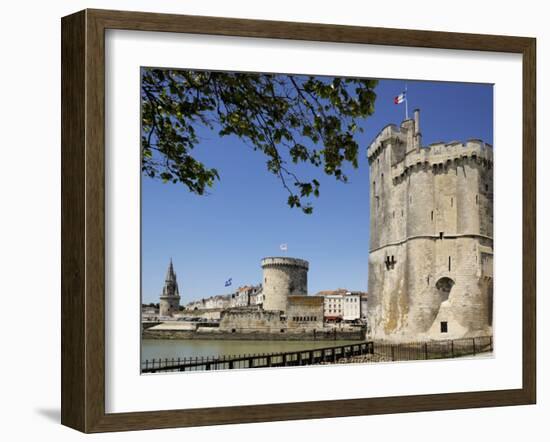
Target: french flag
<point>400,98</point>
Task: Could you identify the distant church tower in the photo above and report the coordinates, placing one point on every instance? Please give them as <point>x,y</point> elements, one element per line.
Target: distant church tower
<point>170,296</point>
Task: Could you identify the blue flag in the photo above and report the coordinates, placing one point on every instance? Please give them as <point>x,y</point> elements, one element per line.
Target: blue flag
<point>228,282</point>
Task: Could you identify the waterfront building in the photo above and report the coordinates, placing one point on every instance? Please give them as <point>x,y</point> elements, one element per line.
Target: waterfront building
<point>149,313</point>
<point>285,306</point>
<point>283,277</point>
<point>170,298</point>
<point>245,296</point>
<point>334,306</point>
<point>351,306</point>
<point>342,305</point>
<point>217,302</point>
<point>431,236</point>
<point>305,313</point>
<point>279,306</point>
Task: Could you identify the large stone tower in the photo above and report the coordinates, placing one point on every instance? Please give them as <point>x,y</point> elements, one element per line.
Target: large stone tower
<point>431,236</point>
<point>170,297</point>
<point>283,277</point>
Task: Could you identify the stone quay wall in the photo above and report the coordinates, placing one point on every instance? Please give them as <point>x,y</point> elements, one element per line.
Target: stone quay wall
<point>318,335</point>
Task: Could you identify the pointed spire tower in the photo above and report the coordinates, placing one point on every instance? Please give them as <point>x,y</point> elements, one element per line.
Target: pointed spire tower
<point>170,296</point>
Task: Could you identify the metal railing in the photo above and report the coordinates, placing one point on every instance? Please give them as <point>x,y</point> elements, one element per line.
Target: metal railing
<point>379,351</point>
<point>412,351</point>
<point>286,359</point>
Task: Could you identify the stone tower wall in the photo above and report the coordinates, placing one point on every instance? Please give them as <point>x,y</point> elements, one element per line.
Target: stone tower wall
<point>169,299</point>
<point>431,224</point>
<point>168,306</point>
<point>283,277</point>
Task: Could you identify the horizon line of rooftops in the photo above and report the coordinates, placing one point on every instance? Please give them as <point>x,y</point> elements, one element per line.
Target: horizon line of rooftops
<point>248,288</point>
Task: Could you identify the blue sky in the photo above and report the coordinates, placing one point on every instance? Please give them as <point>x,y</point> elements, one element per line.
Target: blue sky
<point>245,217</point>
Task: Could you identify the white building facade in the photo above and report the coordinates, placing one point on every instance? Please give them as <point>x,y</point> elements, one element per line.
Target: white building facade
<point>351,306</point>
<point>343,305</point>
<point>333,306</point>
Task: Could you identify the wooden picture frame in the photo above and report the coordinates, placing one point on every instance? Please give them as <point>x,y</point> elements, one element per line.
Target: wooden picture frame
<point>83,220</point>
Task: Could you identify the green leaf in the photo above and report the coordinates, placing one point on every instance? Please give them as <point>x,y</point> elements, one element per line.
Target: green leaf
<point>290,119</point>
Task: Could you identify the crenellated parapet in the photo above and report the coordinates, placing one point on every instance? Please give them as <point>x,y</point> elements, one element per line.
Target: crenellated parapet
<point>283,261</point>
<point>439,157</point>
<point>390,133</point>
<point>283,277</point>
<point>431,229</point>
<point>399,140</point>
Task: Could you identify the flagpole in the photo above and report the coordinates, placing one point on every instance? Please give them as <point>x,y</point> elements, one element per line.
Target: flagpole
<point>406,102</point>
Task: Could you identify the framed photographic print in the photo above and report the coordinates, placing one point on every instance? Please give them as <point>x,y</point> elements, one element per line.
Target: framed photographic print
<point>250,204</point>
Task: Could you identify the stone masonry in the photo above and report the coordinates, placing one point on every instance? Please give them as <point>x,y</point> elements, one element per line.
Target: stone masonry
<point>286,306</point>
<point>431,237</point>
<point>286,313</point>
<point>283,277</point>
<point>170,296</point>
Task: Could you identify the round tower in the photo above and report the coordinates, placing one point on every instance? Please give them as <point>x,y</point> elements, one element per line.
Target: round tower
<point>283,277</point>
<point>170,297</point>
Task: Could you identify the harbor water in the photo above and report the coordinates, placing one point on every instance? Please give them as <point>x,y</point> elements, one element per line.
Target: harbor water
<point>172,348</point>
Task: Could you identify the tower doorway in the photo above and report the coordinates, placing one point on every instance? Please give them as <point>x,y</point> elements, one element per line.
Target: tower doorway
<point>444,286</point>
<point>443,289</point>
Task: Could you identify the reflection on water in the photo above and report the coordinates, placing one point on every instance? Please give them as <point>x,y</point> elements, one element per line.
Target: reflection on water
<point>161,349</point>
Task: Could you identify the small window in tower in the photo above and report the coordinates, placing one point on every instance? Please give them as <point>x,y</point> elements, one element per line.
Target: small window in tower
<point>477,199</point>
<point>451,202</point>
<point>401,213</point>
<point>440,235</point>
<point>428,279</point>
<point>432,215</point>
<point>486,187</point>
<point>444,327</point>
<point>449,263</point>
